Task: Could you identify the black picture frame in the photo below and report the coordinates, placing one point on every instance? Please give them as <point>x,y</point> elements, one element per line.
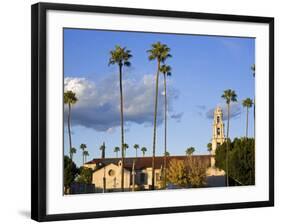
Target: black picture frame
<point>39,122</point>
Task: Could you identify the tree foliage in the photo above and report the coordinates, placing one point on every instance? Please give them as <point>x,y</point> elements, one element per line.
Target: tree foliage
<point>196,172</point>
<point>189,151</point>
<point>176,173</point>
<point>241,160</point>
<point>85,175</point>
<point>70,172</point>
<point>187,173</point>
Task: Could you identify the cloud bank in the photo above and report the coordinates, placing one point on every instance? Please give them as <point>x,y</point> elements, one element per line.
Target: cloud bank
<point>98,105</point>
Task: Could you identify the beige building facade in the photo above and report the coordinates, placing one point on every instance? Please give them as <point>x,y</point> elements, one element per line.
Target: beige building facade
<point>137,172</point>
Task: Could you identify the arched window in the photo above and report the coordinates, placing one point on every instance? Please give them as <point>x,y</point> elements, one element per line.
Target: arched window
<point>218,119</point>
<point>218,131</point>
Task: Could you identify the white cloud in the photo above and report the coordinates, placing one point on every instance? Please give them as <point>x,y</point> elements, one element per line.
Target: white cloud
<point>98,105</point>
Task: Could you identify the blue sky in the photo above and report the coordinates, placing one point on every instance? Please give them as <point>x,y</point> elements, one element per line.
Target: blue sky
<point>202,67</point>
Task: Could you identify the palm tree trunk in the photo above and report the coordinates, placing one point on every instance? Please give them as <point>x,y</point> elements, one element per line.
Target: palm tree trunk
<point>69,131</point>
<point>136,153</point>
<point>122,126</point>
<point>253,165</point>
<point>254,118</point>
<point>227,145</point>
<point>154,129</point>
<point>247,122</point>
<point>165,134</point>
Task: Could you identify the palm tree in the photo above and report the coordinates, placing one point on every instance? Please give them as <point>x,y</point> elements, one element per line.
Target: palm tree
<point>209,147</point>
<point>136,146</point>
<point>125,147</point>
<point>72,152</point>
<point>143,149</point>
<point>116,150</point>
<point>253,68</point>
<point>83,147</point>
<point>189,151</point>
<point>248,104</point>
<point>229,96</point>
<point>85,154</point>
<point>159,52</point>
<point>166,70</point>
<point>121,56</point>
<point>102,148</point>
<point>166,154</point>
<point>70,99</point>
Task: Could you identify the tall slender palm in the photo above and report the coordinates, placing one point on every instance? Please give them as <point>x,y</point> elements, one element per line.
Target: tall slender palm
<point>166,71</point>
<point>116,150</point>
<point>248,104</point>
<point>125,147</point>
<point>85,154</point>
<point>143,149</point>
<point>72,152</point>
<point>209,147</point>
<point>253,68</point>
<point>136,146</point>
<point>102,149</point>
<point>70,99</point>
<point>189,151</point>
<point>121,56</point>
<point>229,96</point>
<point>83,147</point>
<point>158,52</point>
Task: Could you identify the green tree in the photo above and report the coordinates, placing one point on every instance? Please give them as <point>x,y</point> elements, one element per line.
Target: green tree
<point>72,152</point>
<point>189,151</point>
<point>166,71</point>
<point>83,147</point>
<point>158,52</point>
<point>241,157</point>
<point>116,150</point>
<point>121,56</point>
<point>69,173</point>
<point>209,147</point>
<point>248,103</point>
<point>229,96</point>
<point>136,146</point>
<point>85,175</point>
<point>70,99</point>
<point>143,149</point>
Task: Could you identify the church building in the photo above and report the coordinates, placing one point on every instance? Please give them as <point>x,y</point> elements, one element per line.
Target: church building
<point>138,170</point>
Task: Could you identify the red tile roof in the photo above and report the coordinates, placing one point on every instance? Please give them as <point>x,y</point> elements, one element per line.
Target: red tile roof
<point>145,162</point>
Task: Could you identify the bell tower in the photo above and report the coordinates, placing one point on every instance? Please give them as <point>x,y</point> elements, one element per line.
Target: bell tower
<point>218,132</point>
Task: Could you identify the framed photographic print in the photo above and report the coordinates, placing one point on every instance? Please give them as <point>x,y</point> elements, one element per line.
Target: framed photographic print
<point>139,111</point>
